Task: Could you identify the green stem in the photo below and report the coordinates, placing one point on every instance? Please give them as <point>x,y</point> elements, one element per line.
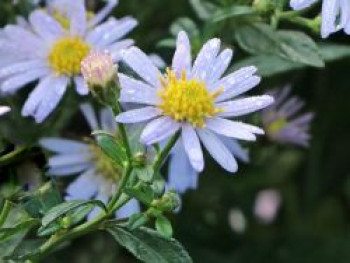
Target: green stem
<point>165,152</point>
<point>4,212</point>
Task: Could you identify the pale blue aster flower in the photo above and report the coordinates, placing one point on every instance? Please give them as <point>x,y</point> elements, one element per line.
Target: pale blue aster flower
<point>97,176</point>
<point>282,120</point>
<point>194,100</point>
<point>335,14</point>
<point>53,51</point>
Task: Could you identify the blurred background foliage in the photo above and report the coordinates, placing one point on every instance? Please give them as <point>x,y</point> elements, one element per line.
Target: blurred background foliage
<point>312,224</point>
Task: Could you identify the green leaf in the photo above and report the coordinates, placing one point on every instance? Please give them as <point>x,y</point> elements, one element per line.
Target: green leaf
<point>257,38</point>
<point>42,200</point>
<point>6,232</point>
<point>332,52</point>
<point>137,220</point>
<point>164,227</point>
<point>166,43</point>
<point>299,47</point>
<point>203,9</point>
<point>111,147</point>
<point>26,250</point>
<point>261,39</point>
<point>73,211</point>
<point>158,184</point>
<point>145,174</point>
<point>149,246</point>
<point>184,24</point>
<point>142,193</point>
<point>268,65</point>
<point>232,12</point>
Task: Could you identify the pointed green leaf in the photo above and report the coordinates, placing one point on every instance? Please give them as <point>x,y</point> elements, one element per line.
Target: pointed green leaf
<point>149,246</point>
<point>164,227</point>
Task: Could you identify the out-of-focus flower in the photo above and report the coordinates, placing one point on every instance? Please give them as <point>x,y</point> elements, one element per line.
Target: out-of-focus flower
<point>237,220</point>
<point>182,176</point>
<point>266,205</point>
<point>98,68</point>
<point>53,53</point>
<point>282,122</point>
<point>98,175</point>
<point>335,14</point>
<point>4,110</point>
<point>194,100</point>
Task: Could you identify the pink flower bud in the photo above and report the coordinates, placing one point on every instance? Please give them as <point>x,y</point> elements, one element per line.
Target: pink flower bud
<point>98,68</point>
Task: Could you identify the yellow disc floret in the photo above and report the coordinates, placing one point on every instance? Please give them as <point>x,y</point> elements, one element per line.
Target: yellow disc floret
<point>66,55</point>
<point>187,100</point>
<point>277,125</point>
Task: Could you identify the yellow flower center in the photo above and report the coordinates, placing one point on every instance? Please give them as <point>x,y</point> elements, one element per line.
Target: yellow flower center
<point>66,55</point>
<point>187,100</point>
<point>277,125</point>
<point>108,169</point>
<point>64,20</point>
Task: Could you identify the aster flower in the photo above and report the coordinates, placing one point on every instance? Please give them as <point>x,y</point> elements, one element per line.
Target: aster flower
<point>53,51</point>
<point>282,122</point>
<point>97,175</point>
<point>194,100</point>
<point>335,14</point>
<point>4,110</point>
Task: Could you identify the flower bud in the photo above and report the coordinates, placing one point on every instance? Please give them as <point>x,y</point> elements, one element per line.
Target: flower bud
<point>101,76</point>
<point>98,69</point>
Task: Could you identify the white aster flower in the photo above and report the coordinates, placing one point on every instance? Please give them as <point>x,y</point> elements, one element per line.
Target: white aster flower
<point>98,176</point>
<point>194,100</point>
<point>335,14</point>
<point>52,52</point>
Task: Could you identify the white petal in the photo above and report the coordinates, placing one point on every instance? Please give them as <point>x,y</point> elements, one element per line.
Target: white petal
<point>69,169</point>
<point>95,34</point>
<point>136,91</point>
<point>4,110</point>
<point>182,176</point>
<point>233,129</point>
<point>78,18</point>
<point>84,187</point>
<point>63,145</point>
<point>45,26</point>
<point>89,115</point>
<point>218,151</point>
<point>107,120</point>
<point>244,106</point>
<point>235,148</point>
<point>14,83</point>
<point>101,15</point>
<point>301,4</point>
<point>116,49</point>
<point>21,67</point>
<point>53,96</point>
<point>329,17</point>
<point>80,86</point>
<point>182,56</point>
<point>69,159</point>
<point>123,27</point>
<point>130,208</point>
<point>205,59</point>
<point>158,130</point>
<point>138,115</point>
<point>192,147</point>
<point>237,83</point>
<point>142,65</point>
<point>220,65</point>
